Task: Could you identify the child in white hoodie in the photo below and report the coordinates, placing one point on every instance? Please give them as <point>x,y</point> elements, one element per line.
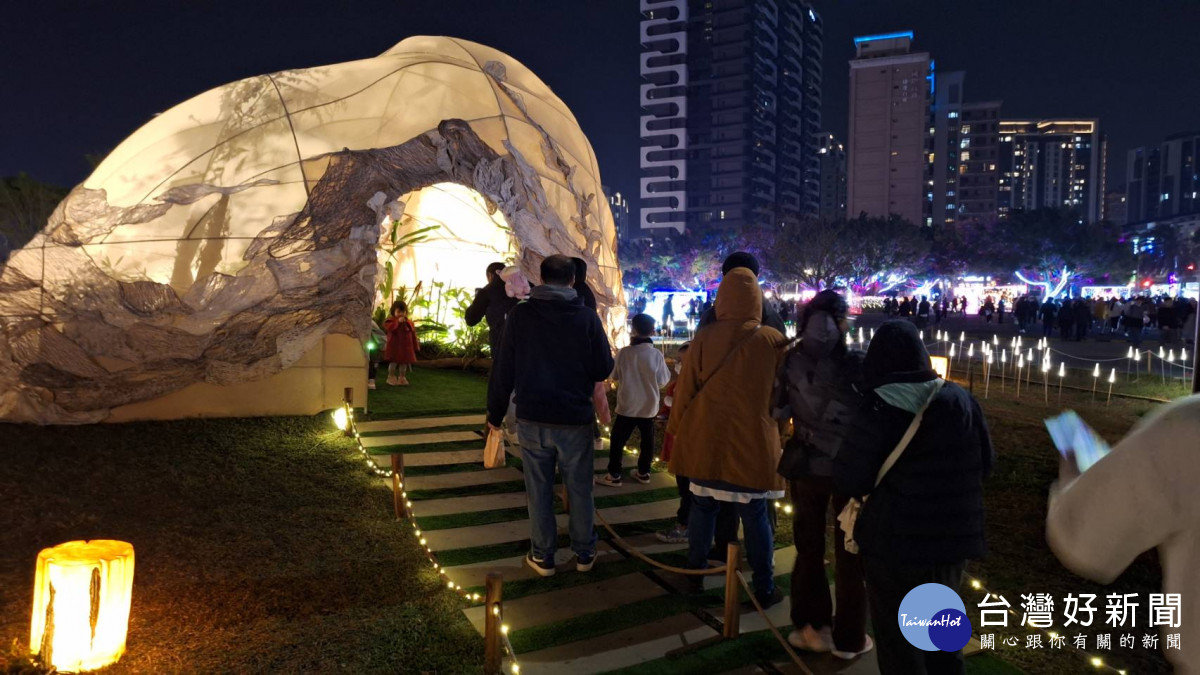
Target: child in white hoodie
<point>641,371</point>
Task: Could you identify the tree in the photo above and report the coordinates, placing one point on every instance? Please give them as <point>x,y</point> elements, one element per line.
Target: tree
<point>817,252</point>
<point>1051,248</point>
<point>25,206</point>
<point>1174,249</point>
<point>881,245</point>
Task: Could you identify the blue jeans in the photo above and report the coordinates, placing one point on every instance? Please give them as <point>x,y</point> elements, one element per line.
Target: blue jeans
<point>760,545</point>
<point>571,449</point>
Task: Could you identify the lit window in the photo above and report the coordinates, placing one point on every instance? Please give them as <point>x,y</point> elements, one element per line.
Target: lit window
<point>966,155</point>
<point>953,115</point>
<point>722,215</point>
<point>966,143</point>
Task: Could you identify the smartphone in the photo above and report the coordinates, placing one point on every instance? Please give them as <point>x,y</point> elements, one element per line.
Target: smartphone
<point>1070,433</point>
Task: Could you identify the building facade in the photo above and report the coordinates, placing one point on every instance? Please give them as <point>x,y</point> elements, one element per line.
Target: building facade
<point>979,152</point>
<point>832,156</point>
<point>620,212</point>
<point>886,162</point>
<point>1052,164</point>
<point>1116,206</point>
<point>1163,181</point>
<point>731,113</point>
<point>946,123</point>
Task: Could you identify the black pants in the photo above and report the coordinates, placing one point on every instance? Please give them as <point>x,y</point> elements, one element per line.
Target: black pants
<point>887,584</point>
<point>811,601</point>
<point>622,429</point>
<point>727,518</point>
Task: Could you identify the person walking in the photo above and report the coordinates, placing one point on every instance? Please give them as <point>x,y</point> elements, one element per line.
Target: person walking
<point>1049,315</point>
<point>815,392</point>
<point>668,315</point>
<point>553,353</point>
<point>581,285</point>
<point>989,308</point>
<point>1135,321</point>
<point>402,345</point>
<point>492,304</point>
<point>640,372</point>
<point>725,439</point>
<point>770,317</point>
<point>1066,321</point>
<point>677,533</point>
<point>923,313</point>
<point>1000,309</point>
<point>925,515</point>
<point>1140,496</point>
<point>1083,319</point>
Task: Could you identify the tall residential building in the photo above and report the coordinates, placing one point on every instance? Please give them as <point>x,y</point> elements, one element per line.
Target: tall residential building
<point>1163,181</point>
<point>1052,164</point>
<point>889,115</point>
<point>731,103</point>
<point>620,212</point>
<point>942,182</point>
<point>832,155</point>
<point>979,152</point>
<point>1116,206</point>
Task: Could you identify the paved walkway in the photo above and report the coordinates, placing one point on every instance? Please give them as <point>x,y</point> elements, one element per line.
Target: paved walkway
<point>572,623</point>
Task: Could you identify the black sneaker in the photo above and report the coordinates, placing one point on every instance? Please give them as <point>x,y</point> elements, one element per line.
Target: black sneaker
<point>608,479</point>
<point>767,602</point>
<point>544,568</point>
<point>643,478</point>
<point>585,562</point>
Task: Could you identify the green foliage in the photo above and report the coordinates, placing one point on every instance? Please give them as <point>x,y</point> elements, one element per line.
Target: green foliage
<point>399,236</point>
<point>25,206</point>
<point>820,253</point>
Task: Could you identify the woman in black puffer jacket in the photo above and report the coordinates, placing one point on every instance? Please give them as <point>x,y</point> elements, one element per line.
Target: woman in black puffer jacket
<point>925,518</point>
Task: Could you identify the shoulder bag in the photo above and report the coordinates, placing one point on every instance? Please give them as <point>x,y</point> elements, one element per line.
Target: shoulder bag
<point>849,515</point>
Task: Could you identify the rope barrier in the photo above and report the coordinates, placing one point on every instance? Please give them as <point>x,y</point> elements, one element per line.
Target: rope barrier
<point>771,624</point>
<point>710,571</point>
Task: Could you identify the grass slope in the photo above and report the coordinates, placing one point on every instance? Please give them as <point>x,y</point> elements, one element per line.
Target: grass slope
<point>434,391</point>
<point>262,546</point>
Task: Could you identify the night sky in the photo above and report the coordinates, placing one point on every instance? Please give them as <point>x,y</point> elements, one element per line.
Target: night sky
<point>81,75</point>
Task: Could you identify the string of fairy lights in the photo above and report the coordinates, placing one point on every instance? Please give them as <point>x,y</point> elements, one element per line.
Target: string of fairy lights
<point>351,424</point>
<point>987,356</point>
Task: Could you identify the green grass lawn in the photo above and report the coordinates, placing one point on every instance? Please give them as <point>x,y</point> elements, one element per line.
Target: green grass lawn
<point>434,391</point>
<point>262,546</point>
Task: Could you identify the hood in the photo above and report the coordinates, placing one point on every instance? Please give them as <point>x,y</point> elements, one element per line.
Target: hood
<point>821,335</point>
<point>896,354</point>
<point>739,297</point>
<point>580,272</point>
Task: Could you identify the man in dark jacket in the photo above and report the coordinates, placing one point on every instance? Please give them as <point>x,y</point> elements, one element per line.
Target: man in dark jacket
<point>491,302</point>
<point>581,286</point>
<point>925,518</point>
<point>770,317</point>
<point>553,353</point>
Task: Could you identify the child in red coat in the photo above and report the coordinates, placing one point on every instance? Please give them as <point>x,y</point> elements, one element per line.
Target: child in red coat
<point>402,345</point>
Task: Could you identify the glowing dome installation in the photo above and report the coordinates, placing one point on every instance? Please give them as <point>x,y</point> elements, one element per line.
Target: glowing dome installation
<point>229,236</point>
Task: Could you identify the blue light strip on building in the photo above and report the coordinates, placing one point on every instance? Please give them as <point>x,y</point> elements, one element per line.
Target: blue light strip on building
<point>930,77</point>
<point>885,36</point>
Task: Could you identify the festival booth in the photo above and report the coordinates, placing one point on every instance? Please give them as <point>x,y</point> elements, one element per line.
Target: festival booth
<point>226,258</point>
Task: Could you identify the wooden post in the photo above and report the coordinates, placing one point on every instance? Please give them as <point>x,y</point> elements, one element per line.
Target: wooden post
<point>733,609</point>
<point>398,501</point>
<point>493,651</point>
<point>348,397</point>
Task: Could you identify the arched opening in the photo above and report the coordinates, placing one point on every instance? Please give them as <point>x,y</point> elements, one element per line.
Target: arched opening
<point>434,247</point>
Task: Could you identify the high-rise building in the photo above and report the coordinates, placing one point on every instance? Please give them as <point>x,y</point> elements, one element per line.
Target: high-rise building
<point>1163,181</point>
<point>731,103</point>
<point>889,119</point>
<point>620,213</point>
<point>1116,206</point>
<point>1052,164</point>
<point>979,151</point>
<point>832,155</point>
<point>945,113</point>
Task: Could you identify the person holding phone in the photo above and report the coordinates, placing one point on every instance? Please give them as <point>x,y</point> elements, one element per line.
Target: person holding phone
<point>1139,496</point>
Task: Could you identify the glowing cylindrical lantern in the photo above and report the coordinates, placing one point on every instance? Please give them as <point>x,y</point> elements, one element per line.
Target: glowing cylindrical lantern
<point>81,598</point>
